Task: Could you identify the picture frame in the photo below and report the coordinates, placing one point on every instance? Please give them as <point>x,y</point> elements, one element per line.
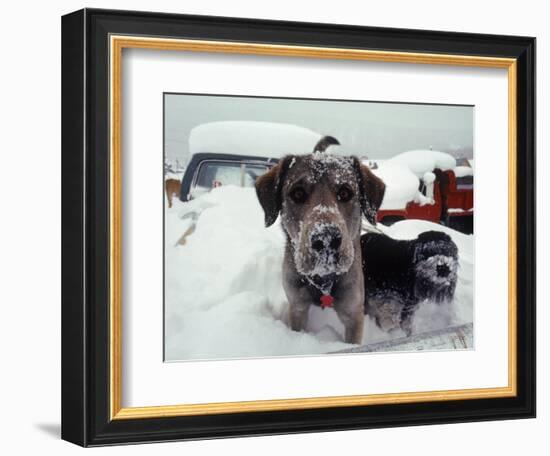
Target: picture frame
<point>92,367</point>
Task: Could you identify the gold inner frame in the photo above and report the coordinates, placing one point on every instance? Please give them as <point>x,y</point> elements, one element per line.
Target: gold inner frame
<point>117,44</point>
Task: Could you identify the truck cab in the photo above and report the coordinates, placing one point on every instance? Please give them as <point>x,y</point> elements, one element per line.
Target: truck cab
<point>238,152</point>
<point>206,171</point>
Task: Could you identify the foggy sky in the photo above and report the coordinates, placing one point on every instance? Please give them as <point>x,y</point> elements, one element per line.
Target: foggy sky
<point>376,130</point>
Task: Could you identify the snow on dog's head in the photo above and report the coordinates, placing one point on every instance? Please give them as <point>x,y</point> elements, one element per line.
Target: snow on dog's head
<point>320,197</point>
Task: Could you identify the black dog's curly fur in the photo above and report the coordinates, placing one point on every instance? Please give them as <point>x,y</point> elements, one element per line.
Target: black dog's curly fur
<point>400,274</point>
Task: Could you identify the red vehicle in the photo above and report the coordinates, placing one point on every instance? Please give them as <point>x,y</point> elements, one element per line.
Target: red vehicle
<point>453,202</point>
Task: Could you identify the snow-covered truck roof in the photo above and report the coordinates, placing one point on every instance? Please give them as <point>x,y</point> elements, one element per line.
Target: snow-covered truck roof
<point>260,139</point>
<point>422,161</point>
<point>463,171</point>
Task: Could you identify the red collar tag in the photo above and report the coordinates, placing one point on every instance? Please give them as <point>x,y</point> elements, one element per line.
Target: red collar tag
<point>326,301</point>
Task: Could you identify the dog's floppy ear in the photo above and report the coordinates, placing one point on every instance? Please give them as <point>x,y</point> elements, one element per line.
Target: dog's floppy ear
<point>371,190</point>
<point>324,142</point>
<point>268,190</point>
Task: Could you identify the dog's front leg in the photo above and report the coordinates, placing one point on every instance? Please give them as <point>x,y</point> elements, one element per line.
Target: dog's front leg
<point>353,324</point>
<point>298,316</point>
<point>354,329</point>
<point>406,319</point>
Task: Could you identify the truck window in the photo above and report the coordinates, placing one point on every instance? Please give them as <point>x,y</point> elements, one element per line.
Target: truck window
<point>213,174</point>
<point>465,183</point>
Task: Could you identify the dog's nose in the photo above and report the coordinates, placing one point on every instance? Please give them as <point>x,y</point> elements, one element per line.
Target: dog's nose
<point>327,238</point>
<point>442,270</point>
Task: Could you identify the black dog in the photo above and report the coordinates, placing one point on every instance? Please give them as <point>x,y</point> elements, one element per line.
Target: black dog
<point>400,274</point>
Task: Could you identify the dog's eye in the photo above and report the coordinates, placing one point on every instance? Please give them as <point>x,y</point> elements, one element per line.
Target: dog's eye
<point>344,194</point>
<point>298,195</point>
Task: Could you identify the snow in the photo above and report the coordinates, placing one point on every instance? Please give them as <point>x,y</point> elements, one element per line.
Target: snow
<point>401,185</point>
<point>223,288</point>
<point>428,177</point>
<point>463,171</point>
<point>260,139</point>
<point>344,169</point>
<point>458,210</point>
<point>325,262</point>
<point>173,175</point>
<point>402,174</point>
<point>373,163</point>
<point>322,209</point>
<point>419,198</point>
<point>422,161</point>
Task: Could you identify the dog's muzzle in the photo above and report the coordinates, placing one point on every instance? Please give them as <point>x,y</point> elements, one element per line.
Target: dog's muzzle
<point>327,239</point>
<point>442,270</point>
<point>323,249</point>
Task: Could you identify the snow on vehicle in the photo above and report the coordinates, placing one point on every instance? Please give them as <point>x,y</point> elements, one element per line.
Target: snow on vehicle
<point>238,152</point>
<point>427,185</point>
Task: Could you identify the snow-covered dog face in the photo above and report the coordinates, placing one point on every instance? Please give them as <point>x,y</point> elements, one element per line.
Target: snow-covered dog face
<point>320,198</point>
<point>435,264</point>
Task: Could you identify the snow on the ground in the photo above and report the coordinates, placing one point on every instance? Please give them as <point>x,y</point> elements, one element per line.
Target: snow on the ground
<point>223,288</point>
<point>260,139</point>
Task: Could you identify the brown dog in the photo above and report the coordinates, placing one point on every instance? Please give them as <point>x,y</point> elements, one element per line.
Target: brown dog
<point>321,198</point>
<point>172,187</point>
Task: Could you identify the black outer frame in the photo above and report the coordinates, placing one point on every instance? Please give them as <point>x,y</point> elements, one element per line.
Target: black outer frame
<point>85,227</point>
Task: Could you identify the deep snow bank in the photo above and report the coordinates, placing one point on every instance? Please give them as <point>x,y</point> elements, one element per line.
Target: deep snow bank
<point>223,288</point>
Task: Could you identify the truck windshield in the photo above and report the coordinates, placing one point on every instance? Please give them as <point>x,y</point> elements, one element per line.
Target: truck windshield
<point>213,174</point>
